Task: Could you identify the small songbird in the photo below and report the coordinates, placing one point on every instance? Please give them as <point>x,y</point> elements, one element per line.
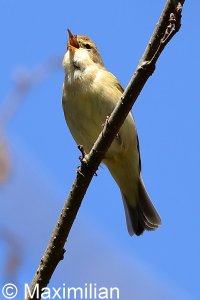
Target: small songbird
<point>90,93</point>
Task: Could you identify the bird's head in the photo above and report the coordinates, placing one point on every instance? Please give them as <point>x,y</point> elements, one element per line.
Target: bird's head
<point>81,53</point>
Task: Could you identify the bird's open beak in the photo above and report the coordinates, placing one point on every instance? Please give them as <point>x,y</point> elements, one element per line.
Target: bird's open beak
<point>72,43</point>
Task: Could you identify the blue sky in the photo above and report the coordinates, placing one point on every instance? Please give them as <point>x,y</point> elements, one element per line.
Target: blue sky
<point>43,153</point>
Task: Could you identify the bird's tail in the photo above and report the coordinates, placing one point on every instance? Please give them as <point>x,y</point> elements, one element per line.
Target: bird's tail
<point>143,215</point>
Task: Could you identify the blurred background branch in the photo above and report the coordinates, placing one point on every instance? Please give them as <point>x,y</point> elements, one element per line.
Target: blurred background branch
<point>14,255</point>
<point>25,81</point>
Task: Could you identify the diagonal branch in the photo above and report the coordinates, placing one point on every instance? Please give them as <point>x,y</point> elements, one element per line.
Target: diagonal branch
<point>167,26</point>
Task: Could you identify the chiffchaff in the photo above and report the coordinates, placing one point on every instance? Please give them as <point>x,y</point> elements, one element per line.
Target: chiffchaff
<point>90,93</point>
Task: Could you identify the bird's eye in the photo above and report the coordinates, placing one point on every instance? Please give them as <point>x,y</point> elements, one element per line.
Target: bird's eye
<point>88,46</point>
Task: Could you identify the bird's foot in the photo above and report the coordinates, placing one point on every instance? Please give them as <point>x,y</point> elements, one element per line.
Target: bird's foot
<point>83,158</point>
<point>83,153</point>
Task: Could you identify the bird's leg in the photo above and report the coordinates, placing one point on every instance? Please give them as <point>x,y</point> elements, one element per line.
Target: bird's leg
<point>83,158</point>
<point>83,153</point>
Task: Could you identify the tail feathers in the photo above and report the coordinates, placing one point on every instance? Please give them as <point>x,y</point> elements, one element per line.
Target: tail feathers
<point>142,216</point>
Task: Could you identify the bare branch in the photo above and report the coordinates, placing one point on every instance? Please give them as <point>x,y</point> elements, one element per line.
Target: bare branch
<point>168,25</point>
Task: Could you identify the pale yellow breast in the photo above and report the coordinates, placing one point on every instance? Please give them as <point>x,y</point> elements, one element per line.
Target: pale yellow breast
<point>87,102</point>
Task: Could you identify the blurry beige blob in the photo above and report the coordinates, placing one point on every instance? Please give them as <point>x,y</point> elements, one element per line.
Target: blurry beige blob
<point>4,160</point>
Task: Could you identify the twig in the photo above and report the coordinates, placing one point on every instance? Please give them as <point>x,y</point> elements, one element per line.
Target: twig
<point>165,29</point>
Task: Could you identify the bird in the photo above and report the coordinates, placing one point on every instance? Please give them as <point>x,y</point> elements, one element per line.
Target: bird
<point>90,94</point>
